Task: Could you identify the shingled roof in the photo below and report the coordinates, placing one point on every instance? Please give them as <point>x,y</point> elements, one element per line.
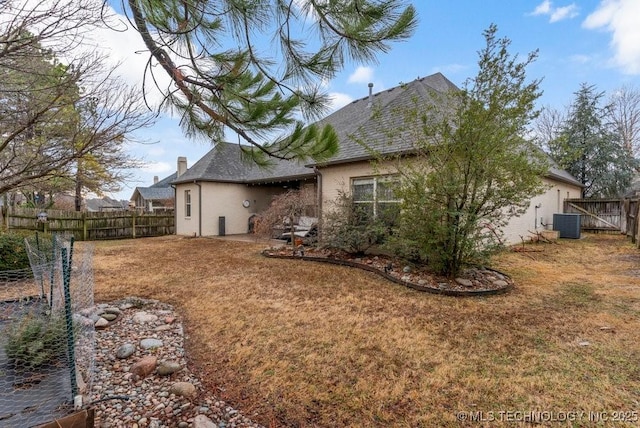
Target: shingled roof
<point>160,191</point>
<point>224,163</point>
<point>360,126</point>
<point>367,118</point>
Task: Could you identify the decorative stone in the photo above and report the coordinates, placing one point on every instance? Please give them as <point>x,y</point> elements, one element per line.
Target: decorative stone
<point>144,367</point>
<point>112,310</point>
<point>109,316</point>
<point>150,343</point>
<point>442,285</point>
<point>163,327</point>
<point>101,323</point>
<point>422,282</point>
<point>201,421</point>
<point>584,343</point>
<point>125,351</point>
<point>169,320</point>
<point>406,269</point>
<point>406,278</point>
<point>464,282</point>
<point>144,318</point>
<point>166,368</point>
<point>500,283</point>
<point>183,389</point>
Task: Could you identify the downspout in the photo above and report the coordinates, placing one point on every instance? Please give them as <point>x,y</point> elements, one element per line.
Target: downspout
<point>199,207</point>
<point>319,202</point>
<point>175,208</point>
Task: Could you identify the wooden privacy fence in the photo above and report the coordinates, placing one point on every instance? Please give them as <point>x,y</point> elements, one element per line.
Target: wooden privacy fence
<point>607,215</point>
<point>90,226</point>
<point>598,215</point>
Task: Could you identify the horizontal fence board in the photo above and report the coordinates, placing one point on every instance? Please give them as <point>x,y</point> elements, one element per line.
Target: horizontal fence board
<point>606,214</point>
<point>93,225</point>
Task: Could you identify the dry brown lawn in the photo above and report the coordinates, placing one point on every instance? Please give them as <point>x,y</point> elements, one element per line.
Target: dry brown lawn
<point>295,343</point>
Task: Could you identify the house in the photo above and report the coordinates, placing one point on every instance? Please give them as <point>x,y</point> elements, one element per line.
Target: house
<point>216,187</point>
<point>220,194</point>
<point>105,204</point>
<point>158,197</point>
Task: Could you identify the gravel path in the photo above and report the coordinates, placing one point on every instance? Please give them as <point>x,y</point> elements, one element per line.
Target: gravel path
<point>141,374</point>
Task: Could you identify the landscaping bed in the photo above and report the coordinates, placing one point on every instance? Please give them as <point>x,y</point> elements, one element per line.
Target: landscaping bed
<point>472,281</point>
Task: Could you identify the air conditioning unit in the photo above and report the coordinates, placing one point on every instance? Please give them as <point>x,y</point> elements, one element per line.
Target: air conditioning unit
<point>567,225</point>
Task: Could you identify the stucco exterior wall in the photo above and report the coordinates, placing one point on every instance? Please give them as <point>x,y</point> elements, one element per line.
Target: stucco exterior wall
<point>221,200</point>
<point>550,203</point>
<point>338,177</point>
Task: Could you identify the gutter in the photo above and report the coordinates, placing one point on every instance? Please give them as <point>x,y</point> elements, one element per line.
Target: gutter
<point>175,209</point>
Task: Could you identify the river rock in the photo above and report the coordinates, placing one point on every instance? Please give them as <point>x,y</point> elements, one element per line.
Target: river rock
<point>144,366</point>
<point>125,351</point>
<point>166,368</point>
<point>150,343</point>
<point>183,389</point>
<point>143,317</point>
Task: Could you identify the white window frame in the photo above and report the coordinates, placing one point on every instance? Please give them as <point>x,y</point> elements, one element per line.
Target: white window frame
<point>187,203</point>
<point>375,180</point>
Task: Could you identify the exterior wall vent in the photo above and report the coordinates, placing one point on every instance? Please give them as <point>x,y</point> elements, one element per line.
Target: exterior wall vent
<point>568,225</point>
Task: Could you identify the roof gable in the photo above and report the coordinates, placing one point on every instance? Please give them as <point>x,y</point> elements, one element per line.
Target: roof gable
<point>364,119</point>
<point>224,163</point>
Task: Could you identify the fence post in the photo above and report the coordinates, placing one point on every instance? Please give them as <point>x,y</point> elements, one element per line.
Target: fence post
<point>52,269</point>
<point>133,225</point>
<point>84,226</point>
<point>66,276</point>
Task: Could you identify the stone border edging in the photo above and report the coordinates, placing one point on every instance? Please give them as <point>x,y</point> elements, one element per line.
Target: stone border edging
<point>456,293</point>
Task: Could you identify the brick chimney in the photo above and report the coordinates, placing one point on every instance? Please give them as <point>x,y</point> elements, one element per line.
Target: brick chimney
<point>182,165</point>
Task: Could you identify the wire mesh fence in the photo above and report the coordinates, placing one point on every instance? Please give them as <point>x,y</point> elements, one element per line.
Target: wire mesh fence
<point>47,336</point>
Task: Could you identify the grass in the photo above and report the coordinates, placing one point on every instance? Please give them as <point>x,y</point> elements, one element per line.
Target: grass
<point>294,343</point>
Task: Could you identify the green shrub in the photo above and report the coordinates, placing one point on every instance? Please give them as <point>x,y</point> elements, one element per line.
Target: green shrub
<point>350,229</point>
<point>36,341</point>
<point>13,255</point>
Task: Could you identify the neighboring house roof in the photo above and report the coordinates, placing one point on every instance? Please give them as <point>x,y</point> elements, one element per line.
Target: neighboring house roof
<point>159,191</point>
<point>155,193</point>
<point>105,203</point>
<point>224,163</point>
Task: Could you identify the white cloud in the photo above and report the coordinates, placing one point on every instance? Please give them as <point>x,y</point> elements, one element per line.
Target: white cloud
<point>580,58</point>
<point>565,12</point>
<point>156,151</point>
<point>620,17</point>
<point>543,8</point>
<point>361,75</point>
<point>157,167</point>
<point>339,100</point>
<point>555,14</point>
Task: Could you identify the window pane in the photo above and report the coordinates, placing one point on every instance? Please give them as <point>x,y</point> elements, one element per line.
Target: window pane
<point>363,190</point>
<point>386,190</point>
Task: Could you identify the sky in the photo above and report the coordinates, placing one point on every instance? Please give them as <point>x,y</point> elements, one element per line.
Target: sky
<point>596,42</point>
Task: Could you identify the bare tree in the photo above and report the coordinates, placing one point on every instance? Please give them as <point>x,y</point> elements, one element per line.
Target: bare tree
<point>625,116</point>
<point>547,126</point>
<point>45,130</point>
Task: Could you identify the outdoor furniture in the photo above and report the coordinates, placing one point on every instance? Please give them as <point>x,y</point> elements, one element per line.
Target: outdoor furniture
<point>305,228</point>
